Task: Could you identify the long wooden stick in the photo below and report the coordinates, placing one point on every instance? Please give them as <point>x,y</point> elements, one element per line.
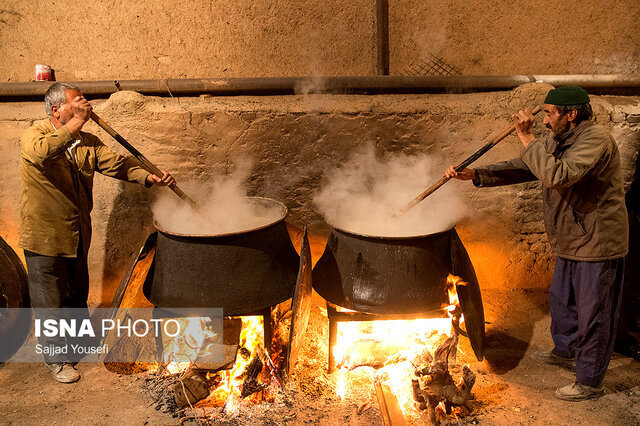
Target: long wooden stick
<point>390,410</point>
<point>148,165</point>
<point>460,167</point>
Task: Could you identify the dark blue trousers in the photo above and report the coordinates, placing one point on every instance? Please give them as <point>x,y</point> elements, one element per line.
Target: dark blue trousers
<point>584,300</point>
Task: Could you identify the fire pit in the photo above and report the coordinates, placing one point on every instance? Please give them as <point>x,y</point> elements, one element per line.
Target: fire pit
<point>389,299</point>
<point>249,273</point>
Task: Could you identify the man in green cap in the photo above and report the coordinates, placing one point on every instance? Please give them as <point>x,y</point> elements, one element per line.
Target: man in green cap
<point>585,218</point>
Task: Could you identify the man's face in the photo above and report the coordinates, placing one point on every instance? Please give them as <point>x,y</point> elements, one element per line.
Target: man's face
<point>558,123</point>
<point>64,113</point>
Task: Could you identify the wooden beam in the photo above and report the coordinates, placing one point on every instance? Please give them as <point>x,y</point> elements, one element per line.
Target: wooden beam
<point>389,408</point>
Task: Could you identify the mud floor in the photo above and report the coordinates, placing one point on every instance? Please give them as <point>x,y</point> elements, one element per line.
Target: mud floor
<point>511,388</point>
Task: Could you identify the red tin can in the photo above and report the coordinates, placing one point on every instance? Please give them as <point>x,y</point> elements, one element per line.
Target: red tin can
<point>43,73</point>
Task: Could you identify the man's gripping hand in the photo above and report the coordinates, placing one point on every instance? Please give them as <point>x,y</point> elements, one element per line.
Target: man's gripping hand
<point>466,174</point>
<point>166,180</point>
<point>81,109</point>
<point>523,122</point>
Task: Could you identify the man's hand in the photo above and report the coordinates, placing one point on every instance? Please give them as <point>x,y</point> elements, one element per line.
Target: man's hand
<point>466,174</point>
<point>81,109</point>
<point>166,180</point>
<point>523,122</point>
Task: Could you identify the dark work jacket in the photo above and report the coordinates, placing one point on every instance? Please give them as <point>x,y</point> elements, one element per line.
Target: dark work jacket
<point>582,189</point>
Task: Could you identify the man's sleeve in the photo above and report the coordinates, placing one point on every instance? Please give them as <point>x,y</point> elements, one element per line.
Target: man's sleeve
<point>577,160</point>
<point>503,173</point>
<point>118,166</point>
<point>36,146</point>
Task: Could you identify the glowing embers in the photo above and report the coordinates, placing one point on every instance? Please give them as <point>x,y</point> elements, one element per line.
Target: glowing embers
<point>252,377</point>
<point>181,351</point>
<point>369,351</point>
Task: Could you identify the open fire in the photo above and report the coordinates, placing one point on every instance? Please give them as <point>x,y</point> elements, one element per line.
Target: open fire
<point>180,352</point>
<point>401,355</point>
<point>386,349</point>
<point>394,353</point>
<point>252,376</point>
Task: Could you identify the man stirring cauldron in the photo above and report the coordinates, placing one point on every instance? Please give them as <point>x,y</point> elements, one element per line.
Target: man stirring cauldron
<point>57,162</point>
<point>586,222</point>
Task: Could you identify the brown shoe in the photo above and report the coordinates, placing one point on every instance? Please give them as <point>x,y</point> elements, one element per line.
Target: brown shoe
<point>578,392</point>
<point>548,357</point>
<point>63,372</point>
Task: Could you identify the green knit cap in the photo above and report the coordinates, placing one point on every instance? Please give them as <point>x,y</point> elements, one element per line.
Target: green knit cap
<point>567,95</point>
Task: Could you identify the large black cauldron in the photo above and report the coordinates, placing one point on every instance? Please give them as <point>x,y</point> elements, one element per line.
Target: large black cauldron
<point>15,324</point>
<point>243,272</point>
<point>400,275</point>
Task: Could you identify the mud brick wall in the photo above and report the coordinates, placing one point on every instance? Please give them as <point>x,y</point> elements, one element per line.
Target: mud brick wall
<point>292,141</point>
<point>103,40</point>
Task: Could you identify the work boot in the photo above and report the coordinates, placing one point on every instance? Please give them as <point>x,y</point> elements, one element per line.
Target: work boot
<point>63,372</point>
<point>548,357</point>
<point>578,392</point>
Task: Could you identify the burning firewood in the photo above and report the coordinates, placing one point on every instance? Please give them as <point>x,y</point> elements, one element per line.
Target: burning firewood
<point>389,408</point>
<point>251,383</point>
<point>279,349</point>
<point>435,385</point>
<point>373,364</point>
<point>190,390</point>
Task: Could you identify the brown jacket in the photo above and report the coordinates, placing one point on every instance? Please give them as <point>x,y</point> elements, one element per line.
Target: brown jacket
<point>57,192</point>
<point>582,189</point>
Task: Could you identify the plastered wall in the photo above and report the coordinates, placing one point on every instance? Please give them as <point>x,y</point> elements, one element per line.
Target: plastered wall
<point>293,141</point>
<point>116,39</point>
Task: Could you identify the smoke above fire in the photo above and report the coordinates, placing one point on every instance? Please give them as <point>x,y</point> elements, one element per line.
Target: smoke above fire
<point>363,194</point>
<point>223,207</point>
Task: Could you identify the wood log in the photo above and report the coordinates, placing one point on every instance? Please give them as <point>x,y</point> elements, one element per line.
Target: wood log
<point>435,384</point>
<point>389,407</point>
<point>373,364</point>
<point>190,390</point>
<point>250,385</point>
<point>300,305</point>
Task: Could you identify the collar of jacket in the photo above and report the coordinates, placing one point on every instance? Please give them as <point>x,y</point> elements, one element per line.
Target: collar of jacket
<point>49,125</point>
<point>74,159</point>
<point>51,128</point>
<point>569,138</point>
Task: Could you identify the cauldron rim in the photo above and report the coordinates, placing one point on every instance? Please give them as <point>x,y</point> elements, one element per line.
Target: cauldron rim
<point>283,215</point>
<point>390,237</point>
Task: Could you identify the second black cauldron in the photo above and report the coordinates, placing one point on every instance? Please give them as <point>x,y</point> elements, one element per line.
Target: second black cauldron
<point>400,275</point>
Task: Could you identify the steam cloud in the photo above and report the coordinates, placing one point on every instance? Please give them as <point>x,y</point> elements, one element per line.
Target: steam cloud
<point>223,207</point>
<point>362,196</point>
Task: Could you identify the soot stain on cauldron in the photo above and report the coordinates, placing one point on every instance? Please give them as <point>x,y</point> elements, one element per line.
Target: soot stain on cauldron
<point>362,278</point>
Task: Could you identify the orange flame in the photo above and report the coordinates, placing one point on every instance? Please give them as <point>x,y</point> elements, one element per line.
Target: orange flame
<point>385,349</point>
<point>181,351</point>
<point>453,308</point>
<point>228,390</point>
